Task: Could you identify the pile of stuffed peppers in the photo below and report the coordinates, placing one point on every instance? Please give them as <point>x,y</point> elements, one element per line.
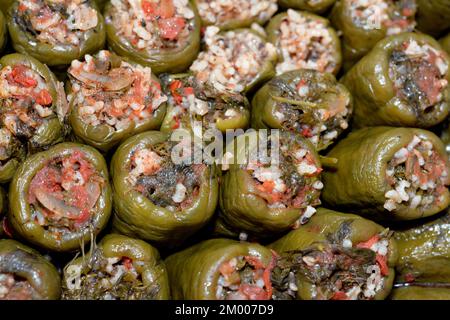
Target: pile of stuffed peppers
<point>224,150</point>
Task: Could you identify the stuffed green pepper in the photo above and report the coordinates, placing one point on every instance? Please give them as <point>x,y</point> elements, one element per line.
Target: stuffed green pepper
<point>403,81</point>
<point>433,16</point>
<point>429,292</point>
<point>25,274</point>
<point>111,99</point>
<point>159,197</point>
<point>445,43</point>
<point>60,199</point>
<point>336,256</point>
<point>364,23</point>
<point>221,269</point>
<point>304,41</point>
<point>237,61</point>
<point>389,174</point>
<point>33,110</point>
<point>118,268</point>
<point>163,34</point>
<point>235,14</point>
<point>264,195</point>
<point>424,252</point>
<point>306,101</point>
<point>56,31</point>
<point>3,32</point>
<point>314,6</point>
<point>192,106</point>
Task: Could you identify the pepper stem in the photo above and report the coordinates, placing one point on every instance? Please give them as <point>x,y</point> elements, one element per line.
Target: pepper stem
<point>329,163</point>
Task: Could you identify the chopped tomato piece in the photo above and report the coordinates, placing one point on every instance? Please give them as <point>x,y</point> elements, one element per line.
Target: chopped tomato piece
<point>44,98</point>
<point>409,277</point>
<point>339,295</point>
<point>166,9</point>
<point>226,268</point>
<point>19,76</point>
<point>369,243</point>
<point>306,132</point>
<point>150,8</point>
<point>127,262</point>
<point>382,262</point>
<point>253,292</point>
<point>189,91</point>
<point>170,28</point>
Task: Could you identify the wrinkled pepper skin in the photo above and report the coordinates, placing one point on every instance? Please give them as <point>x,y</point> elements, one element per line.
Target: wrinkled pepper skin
<point>420,293</point>
<point>264,107</point>
<point>242,210</point>
<point>19,215</point>
<point>152,269</point>
<point>317,7</point>
<point>358,183</point>
<point>136,216</point>
<point>433,16</point>
<point>28,264</point>
<point>54,128</point>
<point>231,24</point>
<point>273,26</point>
<point>105,137</point>
<point>375,101</point>
<point>3,32</point>
<point>215,101</point>
<point>194,272</point>
<point>445,43</point>
<point>325,223</point>
<point>55,56</point>
<point>424,252</point>
<point>172,61</point>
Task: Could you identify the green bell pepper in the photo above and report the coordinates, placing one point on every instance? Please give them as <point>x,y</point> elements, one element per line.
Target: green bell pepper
<point>146,198</point>
<point>424,252</point>
<point>359,35</point>
<point>377,101</point>
<point>50,129</point>
<point>118,268</point>
<point>445,43</point>
<point>228,17</point>
<point>24,37</point>
<point>5,5</point>
<point>376,160</point>
<point>420,293</point>
<point>433,16</point>
<point>318,7</point>
<point>198,272</point>
<point>73,172</point>
<point>116,82</point>
<point>209,106</point>
<point>260,207</point>
<point>346,236</point>
<point>33,277</point>
<point>335,56</point>
<point>3,32</point>
<point>163,58</point>
<point>305,101</point>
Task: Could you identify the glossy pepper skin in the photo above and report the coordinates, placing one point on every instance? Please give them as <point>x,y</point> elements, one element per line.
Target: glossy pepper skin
<point>194,272</point>
<point>420,293</point>
<point>433,16</point>
<point>445,43</point>
<point>317,7</point>
<point>231,24</point>
<point>135,215</point>
<point>326,224</point>
<point>172,61</point>
<point>424,252</point>
<point>215,100</point>
<point>27,263</point>
<point>359,184</point>
<point>272,30</point>
<point>55,56</point>
<point>19,215</point>
<point>3,32</point>
<point>103,136</point>
<point>373,91</point>
<point>264,106</point>
<point>242,210</point>
<point>145,258</point>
